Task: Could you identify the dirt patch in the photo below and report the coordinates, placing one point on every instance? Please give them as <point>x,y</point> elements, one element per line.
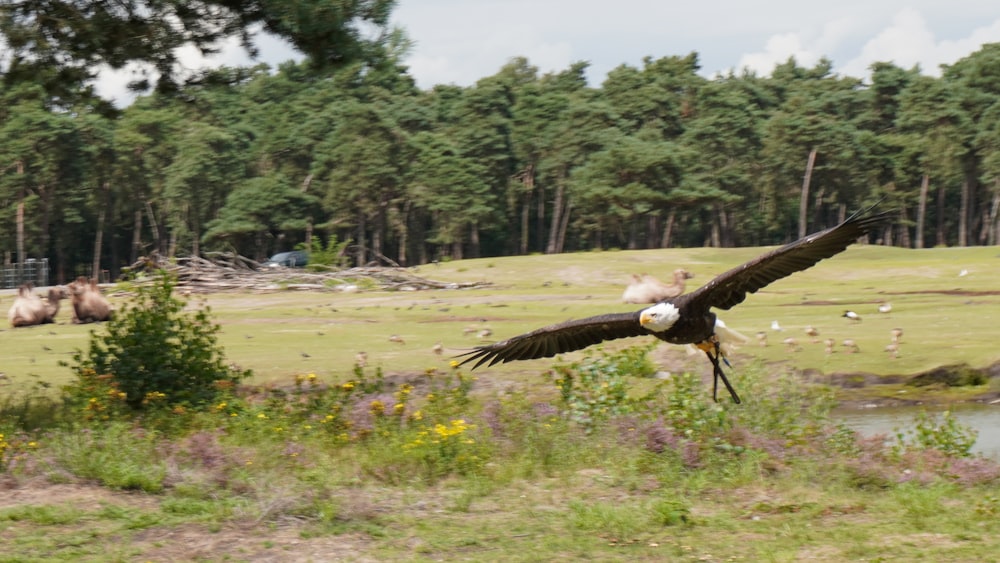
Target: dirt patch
<point>192,542</point>
<point>81,496</point>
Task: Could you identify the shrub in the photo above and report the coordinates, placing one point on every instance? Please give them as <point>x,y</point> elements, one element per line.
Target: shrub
<point>944,434</point>
<point>330,256</point>
<point>595,389</point>
<point>153,352</point>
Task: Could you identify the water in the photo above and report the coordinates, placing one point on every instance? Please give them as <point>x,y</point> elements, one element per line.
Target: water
<point>885,420</point>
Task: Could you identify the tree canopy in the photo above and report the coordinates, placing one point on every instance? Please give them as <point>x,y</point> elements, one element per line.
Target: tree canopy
<point>343,146</point>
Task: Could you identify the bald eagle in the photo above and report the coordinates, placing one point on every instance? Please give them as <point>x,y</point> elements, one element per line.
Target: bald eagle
<point>687,318</point>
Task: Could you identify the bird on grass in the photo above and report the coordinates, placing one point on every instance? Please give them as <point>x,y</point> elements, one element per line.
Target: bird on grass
<point>852,315</point>
<point>687,318</point>
<point>896,334</point>
<point>812,333</point>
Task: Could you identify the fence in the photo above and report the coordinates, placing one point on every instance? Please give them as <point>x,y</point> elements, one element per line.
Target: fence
<point>34,271</point>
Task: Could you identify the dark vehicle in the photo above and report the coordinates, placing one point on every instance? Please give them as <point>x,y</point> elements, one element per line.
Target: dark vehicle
<point>293,259</point>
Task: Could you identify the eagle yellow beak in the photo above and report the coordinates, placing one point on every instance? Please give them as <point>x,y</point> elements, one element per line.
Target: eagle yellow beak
<point>645,318</point>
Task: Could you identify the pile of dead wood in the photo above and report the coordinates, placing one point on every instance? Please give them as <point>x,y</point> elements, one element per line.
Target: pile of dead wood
<point>229,272</point>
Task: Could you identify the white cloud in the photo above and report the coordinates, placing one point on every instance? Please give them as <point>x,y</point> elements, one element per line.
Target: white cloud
<point>777,50</point>
<point>112,84</point>
<point>461,41</point>
<point>906,42</point>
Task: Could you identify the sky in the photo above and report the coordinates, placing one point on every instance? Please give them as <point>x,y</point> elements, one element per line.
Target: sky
<point>461,41</point>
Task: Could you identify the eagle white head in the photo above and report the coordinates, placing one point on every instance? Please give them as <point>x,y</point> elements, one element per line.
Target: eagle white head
<point>659,317</point>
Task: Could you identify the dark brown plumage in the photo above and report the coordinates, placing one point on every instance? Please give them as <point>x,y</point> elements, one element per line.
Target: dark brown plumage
<point>687,318</point>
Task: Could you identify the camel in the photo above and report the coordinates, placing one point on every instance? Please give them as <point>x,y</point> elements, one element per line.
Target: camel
<point>647,289</point>
<point>89,305</point>
<point>29,309</point>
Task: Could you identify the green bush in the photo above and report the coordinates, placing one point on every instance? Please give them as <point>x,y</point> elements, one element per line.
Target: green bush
<point>596,388</point>
<point>153,353</point>
<point>943,433</point>
<point>330,256</point>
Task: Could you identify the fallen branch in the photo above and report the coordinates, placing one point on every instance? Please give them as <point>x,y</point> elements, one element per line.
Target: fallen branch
<point>221,272</point>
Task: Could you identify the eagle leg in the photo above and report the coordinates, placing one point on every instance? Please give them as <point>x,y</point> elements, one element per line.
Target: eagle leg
<point>711,348</point>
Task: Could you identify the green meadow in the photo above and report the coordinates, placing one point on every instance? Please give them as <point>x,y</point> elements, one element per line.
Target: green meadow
<point>946,318</point>
<point>586,457</point>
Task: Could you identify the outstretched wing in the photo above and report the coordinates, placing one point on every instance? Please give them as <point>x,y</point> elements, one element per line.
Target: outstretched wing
<point>558,339</point>
<point>731,288</point>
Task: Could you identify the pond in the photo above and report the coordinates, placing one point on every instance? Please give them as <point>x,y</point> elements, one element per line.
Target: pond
<point>886,420</point>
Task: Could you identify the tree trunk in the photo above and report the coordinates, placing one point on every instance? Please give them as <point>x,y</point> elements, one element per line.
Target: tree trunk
<point>994,219</point>
<point>726,234</point>
<point>963,215</point>
<point>804,198</point>
<point>715,240</point>
<point>652,227</point>
<point>377,230</point>
<point>45,195</point>
<point>136,236</point>
<point>474,243</point>
<point>557,211</point>
<point>20,227</point>
<point>633,233</point>
<point>98,242</point>
<point>925,183</point>
<point>362,255</point>
<point>904,231</point>
<point>195,234</point>
<point>939,238</point>
<point>528,180</point>
<point>540,218</point>
<point>154,228</point>
<point>403,228</point>
<point>564,226</point>
<point>668,228</point>
<point>99,237</point>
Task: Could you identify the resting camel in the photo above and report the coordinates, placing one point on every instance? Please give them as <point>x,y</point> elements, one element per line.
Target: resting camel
<point>647,289</point>
<point>89,305</point>
<point>29,309</point>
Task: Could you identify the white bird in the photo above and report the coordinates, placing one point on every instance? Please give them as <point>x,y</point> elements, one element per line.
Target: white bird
<point>963,273</point>
<point>852,315</point>
<point>775,326</point>
<point>885,307</point>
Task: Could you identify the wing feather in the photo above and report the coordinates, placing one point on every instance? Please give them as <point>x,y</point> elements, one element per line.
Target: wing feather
<point>731,288</point>
<point>557,339</point>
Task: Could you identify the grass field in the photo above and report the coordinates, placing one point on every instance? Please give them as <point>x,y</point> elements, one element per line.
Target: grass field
<point>596,461</point>
<point>946,318</point>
